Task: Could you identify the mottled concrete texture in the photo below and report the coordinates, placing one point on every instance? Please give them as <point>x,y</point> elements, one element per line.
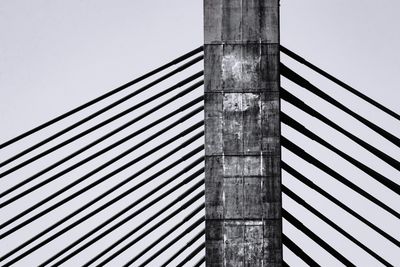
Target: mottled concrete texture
<point>243,192</point>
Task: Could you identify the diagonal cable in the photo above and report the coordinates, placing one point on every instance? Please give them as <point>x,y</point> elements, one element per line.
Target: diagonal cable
<point>98,99</point>
<point>200,262</point>
<point>338,82</point>
<point>296,223</point>
<point>104,150</point>
<point>285,95</point>
<point>307,157</point>
<point>316,188</point>
<point>297,79</point>
<point>377,176</point>
<point>298,251</point>
<point>93,128</point>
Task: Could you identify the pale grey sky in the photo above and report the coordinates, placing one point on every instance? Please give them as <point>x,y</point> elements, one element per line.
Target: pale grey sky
<point>55,55</point>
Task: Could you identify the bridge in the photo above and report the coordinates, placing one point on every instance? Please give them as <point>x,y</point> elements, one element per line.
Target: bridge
<point>133,178</point>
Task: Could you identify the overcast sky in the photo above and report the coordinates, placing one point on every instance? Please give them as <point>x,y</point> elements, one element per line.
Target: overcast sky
<point>55,55</point>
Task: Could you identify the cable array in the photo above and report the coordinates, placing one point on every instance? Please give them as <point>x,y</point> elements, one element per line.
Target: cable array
<point>320,163</point>
<point>135,194</point>
<point>142,175</point>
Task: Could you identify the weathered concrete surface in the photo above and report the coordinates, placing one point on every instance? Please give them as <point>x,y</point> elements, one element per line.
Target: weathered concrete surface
<point>243,194</point>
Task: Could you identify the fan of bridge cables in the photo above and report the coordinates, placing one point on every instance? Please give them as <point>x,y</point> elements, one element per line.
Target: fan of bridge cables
<point>120,179</point>
<point>340,171</point>
<point>117,180</point>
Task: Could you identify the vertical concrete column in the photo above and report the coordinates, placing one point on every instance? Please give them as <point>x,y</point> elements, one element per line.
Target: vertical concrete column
<point>242,133</point>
